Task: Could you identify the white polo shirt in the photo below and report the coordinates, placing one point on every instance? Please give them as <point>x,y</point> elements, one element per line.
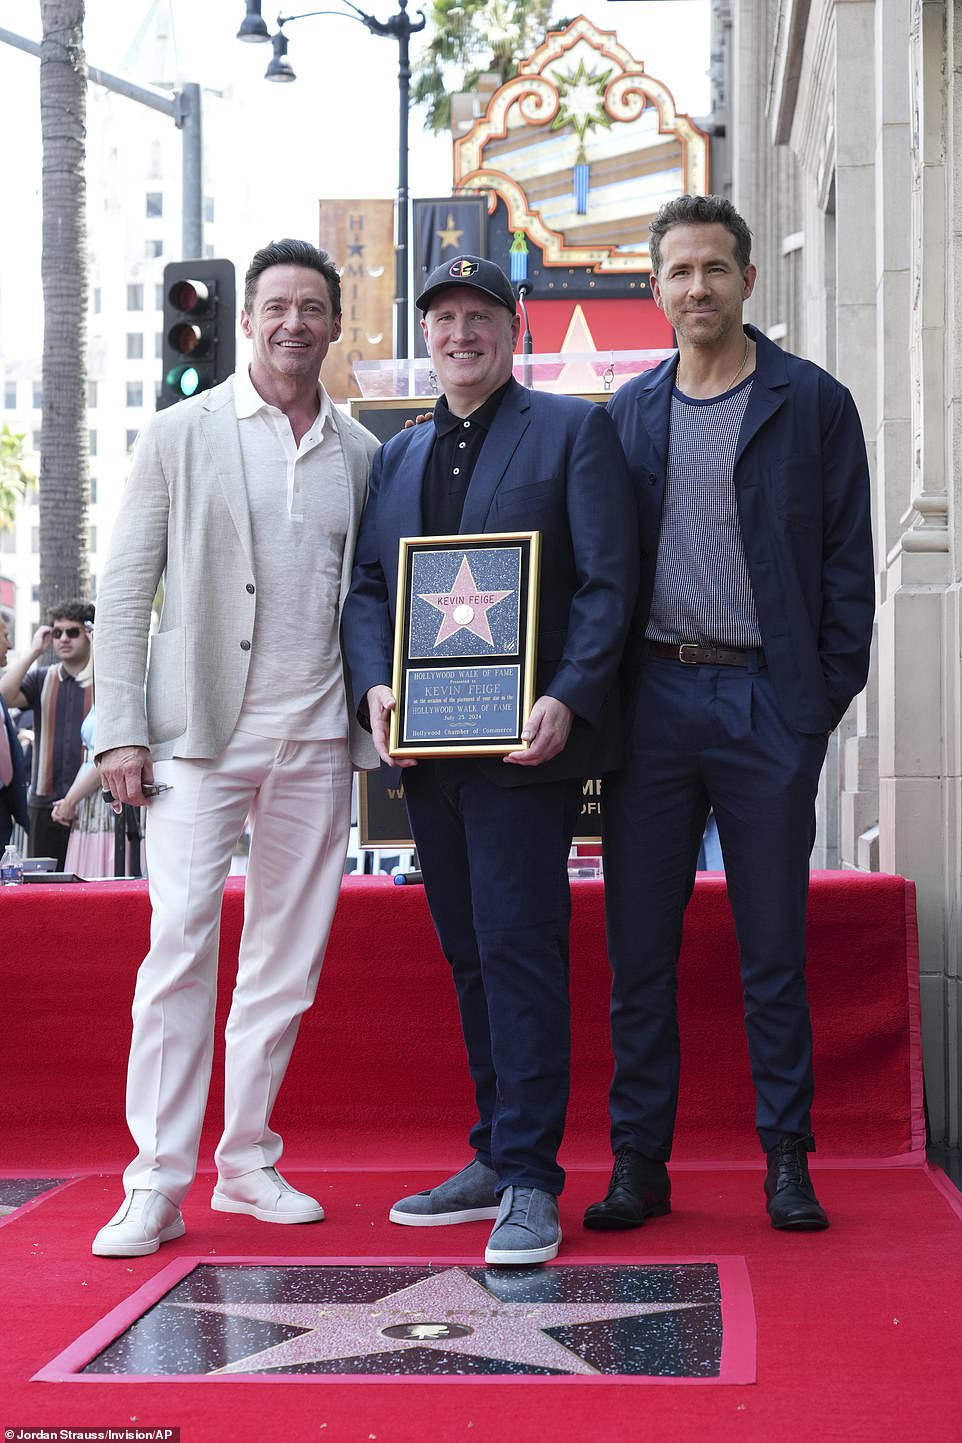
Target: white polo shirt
<point>299,507</point>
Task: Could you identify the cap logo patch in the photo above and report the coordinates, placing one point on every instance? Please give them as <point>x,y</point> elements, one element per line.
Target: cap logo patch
<point>463,268</point>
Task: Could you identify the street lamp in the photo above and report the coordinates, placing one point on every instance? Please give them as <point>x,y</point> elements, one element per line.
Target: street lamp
<point>399,27</point>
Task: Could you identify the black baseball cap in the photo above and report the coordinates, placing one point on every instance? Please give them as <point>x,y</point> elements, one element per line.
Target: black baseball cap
<point>469,271</point>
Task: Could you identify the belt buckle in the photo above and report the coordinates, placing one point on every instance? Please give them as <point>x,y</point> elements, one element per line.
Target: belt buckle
<point>688,646</point>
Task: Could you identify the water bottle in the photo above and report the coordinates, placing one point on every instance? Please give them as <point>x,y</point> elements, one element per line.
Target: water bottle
<point>11,868</point>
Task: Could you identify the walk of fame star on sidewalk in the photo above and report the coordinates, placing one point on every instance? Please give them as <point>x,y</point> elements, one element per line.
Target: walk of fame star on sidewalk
<point>484,1326</point>
<point>213,1318</point>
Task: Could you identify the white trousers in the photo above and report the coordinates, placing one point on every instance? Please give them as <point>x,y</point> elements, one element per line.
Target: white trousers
<point>299,797</point>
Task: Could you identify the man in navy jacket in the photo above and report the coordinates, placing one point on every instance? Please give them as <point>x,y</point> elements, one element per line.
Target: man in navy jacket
<point>493,835</point>
<point>749,641</point>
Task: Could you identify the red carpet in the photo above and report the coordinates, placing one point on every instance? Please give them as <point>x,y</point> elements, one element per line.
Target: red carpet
<point>857,1327</point>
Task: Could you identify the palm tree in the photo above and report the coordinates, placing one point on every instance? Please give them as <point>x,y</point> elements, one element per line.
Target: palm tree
<point>15,478</point>
<point>64,470</point>
<point>472,38</point>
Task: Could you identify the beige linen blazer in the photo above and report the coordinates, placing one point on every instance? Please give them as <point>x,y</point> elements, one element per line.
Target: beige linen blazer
<point>185,519</point>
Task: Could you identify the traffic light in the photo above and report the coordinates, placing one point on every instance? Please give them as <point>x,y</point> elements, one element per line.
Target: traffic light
<point>199,340</point>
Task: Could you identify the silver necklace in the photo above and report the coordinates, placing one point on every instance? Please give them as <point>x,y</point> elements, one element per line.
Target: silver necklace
<point>741,367</point>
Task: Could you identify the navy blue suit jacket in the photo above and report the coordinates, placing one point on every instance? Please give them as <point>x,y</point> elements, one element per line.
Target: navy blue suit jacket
<point>13,797</point>
<point>552,464</point>
<point>802,489</point>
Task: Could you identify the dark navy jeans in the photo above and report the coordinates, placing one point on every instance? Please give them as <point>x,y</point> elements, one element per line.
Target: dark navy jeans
<point>705,737</point>
<point>494,861</point>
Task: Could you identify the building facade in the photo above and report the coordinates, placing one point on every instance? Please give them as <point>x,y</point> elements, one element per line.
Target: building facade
<point>841,140</point>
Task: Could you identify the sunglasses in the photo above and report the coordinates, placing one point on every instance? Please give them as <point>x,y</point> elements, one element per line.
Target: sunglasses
<point>72,631</point>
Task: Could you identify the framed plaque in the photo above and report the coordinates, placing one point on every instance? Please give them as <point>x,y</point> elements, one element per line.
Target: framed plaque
<point>465,643</point>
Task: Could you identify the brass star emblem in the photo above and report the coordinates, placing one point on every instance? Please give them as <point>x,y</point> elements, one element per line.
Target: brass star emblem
<point>449,235</point>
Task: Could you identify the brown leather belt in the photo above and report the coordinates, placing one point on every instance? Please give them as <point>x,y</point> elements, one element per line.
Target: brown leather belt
<point>693,655</point>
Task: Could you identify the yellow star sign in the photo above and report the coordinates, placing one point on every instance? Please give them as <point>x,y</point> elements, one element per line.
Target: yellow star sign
<point>449,236</point>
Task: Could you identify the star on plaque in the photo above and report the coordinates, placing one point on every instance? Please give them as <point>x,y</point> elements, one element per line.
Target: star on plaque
<point>464,606</point>
<point>449,236</point>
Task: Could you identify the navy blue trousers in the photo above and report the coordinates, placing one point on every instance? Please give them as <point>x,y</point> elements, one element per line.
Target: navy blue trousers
<point>709,737</point>
<point>494,861</point>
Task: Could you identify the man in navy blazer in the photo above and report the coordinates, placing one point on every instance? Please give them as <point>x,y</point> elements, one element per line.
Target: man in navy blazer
<point>750,639</point>
<point>13,773</point>
<point>493,835</point>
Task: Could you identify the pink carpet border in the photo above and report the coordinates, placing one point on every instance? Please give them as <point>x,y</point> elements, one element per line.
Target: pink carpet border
<point>739,1337</point>
<point>913,993</point>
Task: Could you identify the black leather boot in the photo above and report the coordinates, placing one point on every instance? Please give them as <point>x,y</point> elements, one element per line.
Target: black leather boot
<point>792,1204</point>
<point>640,1188</point>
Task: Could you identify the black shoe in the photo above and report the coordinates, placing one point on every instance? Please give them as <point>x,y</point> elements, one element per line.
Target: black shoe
<point>792,1203</point>
<point>640,1188</point>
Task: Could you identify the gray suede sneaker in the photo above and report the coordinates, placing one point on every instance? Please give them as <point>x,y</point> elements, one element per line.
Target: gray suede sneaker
<point>467,1197</point>
<point>527,1230</point>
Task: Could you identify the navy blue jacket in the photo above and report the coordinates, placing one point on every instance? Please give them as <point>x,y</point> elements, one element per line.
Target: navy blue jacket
<point>13,797</point>
<point>803,495</point>
<point>549,463</point>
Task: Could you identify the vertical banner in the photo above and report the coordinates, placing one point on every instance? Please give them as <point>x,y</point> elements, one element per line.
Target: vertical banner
<point>443,229</point>
<point>359,237</point>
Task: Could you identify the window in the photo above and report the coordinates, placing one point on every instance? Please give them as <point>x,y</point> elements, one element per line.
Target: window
<point>8,542</point>
<point>93,490</point>
<point>135,298</point>
<point>92,395</point>
<point>35,598</point>
<point>93,538</point>
<point>135,393</point>
<point>155,203</point>
<point>159,296</point>
<point>97,301</point>
<point>10,395</point>
<point>153,248</point>
<point>209,209</point>
<point>35,540</point>
<point>37,401</point>
<point>92,443</point>
<point>36,438</point>
<point>208,252</point>
<point>159,346</point>
<point>131,439</point>
<point>135,346</point>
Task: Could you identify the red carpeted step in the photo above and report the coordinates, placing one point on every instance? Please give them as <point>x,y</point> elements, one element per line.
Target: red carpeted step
<point>378,1077</point>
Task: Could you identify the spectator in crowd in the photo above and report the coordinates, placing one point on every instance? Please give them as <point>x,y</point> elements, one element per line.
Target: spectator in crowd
<point>91,846</point>
<point>13,773</point>
<point>59,695</point>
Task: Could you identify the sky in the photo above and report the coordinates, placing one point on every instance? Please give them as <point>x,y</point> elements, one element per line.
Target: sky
<point>333,133</point>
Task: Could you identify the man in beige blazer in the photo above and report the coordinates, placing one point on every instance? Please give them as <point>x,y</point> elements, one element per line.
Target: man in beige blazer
<point>245,503</point>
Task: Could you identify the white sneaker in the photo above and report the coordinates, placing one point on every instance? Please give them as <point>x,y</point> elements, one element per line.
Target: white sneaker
<point>145,1220</point>
<point>264,1194</point>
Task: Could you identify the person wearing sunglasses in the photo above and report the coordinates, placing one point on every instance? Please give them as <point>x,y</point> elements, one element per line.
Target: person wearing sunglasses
<point>59,695</point>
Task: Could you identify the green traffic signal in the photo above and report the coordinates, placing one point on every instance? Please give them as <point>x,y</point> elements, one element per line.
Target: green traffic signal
<point>183,381</point>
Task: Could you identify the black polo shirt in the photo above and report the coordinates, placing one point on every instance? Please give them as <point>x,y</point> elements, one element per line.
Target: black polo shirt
<point>457,444</point>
